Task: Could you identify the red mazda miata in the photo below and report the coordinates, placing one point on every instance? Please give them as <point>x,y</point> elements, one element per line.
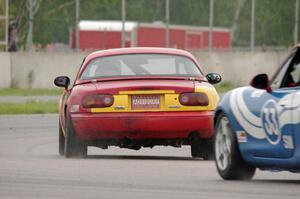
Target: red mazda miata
<point>137,97</point>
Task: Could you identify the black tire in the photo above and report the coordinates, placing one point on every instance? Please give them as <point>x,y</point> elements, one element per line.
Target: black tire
<point>73,146</point>
<point>232,167</point>
<point>61,140</point>
<point>202,148</point>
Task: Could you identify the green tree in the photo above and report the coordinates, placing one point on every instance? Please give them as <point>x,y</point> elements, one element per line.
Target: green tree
<point>52,22</point>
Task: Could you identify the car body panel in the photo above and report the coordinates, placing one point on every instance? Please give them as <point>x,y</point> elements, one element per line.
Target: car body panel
<point>163,118</point>
<point>154,125</point>
<point>169,98</point>
<point>266,125</point>
<point>266,122</point>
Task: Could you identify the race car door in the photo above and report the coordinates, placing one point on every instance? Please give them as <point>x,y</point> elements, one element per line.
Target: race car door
<point>280,111</point>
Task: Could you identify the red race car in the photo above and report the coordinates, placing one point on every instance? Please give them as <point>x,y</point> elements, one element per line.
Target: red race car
<point>137,97</point>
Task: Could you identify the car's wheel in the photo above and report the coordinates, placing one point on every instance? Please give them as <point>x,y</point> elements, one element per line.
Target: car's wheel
<point>229,161</point>
<point>73,146</point>
<point>61,140</point>
<point>202,148</point>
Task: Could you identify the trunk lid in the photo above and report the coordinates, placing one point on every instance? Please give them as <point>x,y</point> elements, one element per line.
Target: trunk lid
<point>152,95</point>
<point>115,87</point>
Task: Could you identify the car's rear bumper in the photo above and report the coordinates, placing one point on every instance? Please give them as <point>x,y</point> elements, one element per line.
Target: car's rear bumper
<point>150,125</point>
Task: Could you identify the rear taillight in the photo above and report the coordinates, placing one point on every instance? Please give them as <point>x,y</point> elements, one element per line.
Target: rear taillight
<point>97,101</point>
<point>193,99</point>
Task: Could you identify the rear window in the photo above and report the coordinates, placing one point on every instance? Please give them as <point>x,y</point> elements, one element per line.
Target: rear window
<point>141,65</point>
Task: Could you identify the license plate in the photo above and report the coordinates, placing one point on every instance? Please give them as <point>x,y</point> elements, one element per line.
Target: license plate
<point>139,102</point>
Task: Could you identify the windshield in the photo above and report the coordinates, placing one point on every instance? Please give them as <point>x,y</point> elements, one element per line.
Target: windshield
<point>141,65</point>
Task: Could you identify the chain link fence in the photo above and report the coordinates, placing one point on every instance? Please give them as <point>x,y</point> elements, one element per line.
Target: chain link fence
<point>52,22</point>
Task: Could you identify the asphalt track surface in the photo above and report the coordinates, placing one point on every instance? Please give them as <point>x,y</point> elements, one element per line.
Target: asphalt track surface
<point>30,167</point>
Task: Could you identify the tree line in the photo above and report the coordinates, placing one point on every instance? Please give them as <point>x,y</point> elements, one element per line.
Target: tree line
<point>53,19</point>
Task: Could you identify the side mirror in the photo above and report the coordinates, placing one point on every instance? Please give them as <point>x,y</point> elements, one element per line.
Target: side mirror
<point>213,78</point>
<point>261,81</point>
<point>62,81</point>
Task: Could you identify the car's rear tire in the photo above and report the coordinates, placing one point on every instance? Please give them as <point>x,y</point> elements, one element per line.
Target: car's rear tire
<point>229,162</point>
<point>73,146</point>
<point>61,140</point>
<point>202,148</point>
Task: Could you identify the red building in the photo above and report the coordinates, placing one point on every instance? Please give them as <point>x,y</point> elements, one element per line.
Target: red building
<point>94,35</point>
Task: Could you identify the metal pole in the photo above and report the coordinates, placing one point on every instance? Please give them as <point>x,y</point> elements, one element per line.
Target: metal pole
<point>123,22</point>
<point>211,22</point>
<point>167,23</point>
<point>30,36</point>
<point>6,25</point>
<point>236,19</point>
<point>252,39</point>
<point>296,22</point>
<point>77,2</point>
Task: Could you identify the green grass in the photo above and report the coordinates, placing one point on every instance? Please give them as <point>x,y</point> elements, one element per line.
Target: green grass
<point>29,92</point>
<point>221,88</point>
<point>28,108</point>
<point>224,87</point>
<point>34,107</point>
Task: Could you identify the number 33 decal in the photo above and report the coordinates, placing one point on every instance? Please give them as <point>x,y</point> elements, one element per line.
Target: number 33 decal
<point>270,122</point>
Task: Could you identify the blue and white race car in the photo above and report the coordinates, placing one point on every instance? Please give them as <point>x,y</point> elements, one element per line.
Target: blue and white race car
<point>259,126</point>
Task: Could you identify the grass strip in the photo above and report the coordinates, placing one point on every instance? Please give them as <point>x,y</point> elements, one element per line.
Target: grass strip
<point>40,107</point>
<point>29,92</point>
<point>224,87</point>
<point>28,108</point>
